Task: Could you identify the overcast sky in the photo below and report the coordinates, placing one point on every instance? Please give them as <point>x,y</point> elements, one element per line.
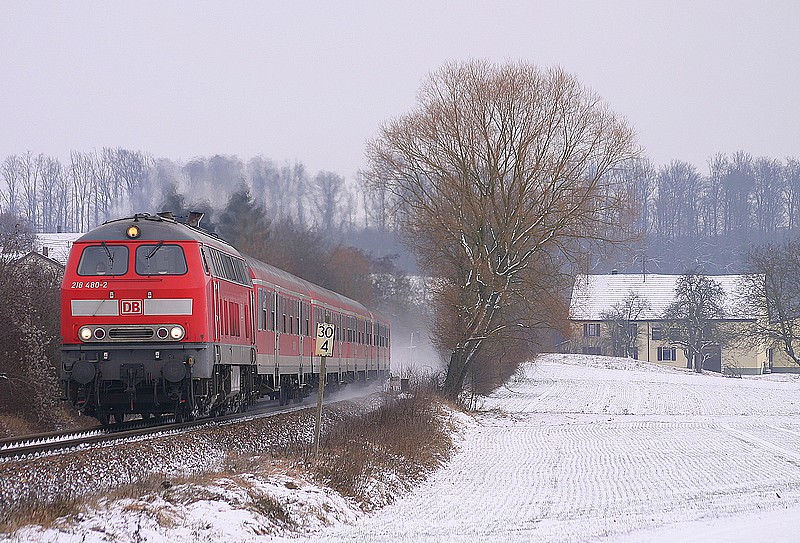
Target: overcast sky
<point>312,81</point>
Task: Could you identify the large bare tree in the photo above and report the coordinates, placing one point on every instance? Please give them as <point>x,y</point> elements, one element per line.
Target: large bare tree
<point>498,170</point>
<point>623,323</point>
<point>694,319</point>
<point>772,291</point>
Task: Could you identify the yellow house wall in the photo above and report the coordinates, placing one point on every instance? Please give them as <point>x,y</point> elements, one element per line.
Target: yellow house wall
<point>781,363</point>
<point>744,360</point>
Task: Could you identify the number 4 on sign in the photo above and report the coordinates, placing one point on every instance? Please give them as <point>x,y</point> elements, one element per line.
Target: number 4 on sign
<point>324,339</point>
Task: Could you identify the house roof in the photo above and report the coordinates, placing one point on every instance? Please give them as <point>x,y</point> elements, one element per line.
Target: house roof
<point>40,260</point>
<point>594,295</point>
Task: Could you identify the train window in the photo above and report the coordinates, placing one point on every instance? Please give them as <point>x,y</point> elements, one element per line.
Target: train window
<point>262,309</point>
<point>160,259</point>
<point>104,260</point>
<point>228,267</point>
<point>272,315</point>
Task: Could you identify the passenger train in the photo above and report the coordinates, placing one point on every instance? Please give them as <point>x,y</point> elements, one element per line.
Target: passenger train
<point>159,317</point>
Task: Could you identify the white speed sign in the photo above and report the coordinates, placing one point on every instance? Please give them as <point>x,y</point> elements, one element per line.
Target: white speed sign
<point>324,339</point>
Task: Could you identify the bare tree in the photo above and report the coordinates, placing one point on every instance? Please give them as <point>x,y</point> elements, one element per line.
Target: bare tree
<point>30,183</point>
<point>54,195</point>
<point>12,172</point>
<point>694,317</point>
<point>768,193</point>
<point>772,291</point>
<point>499,169</point>
<point>328,195</point>
<point>677,200</point>
<point>737,187</point>
<point>81,174</point>
<point>622,320</point>
<point>791,186</point>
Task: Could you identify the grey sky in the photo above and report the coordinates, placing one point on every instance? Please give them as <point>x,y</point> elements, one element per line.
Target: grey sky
<point>312,81</point>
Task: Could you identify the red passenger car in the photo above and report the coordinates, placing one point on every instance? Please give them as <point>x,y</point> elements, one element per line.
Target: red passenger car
<point>160,317</point>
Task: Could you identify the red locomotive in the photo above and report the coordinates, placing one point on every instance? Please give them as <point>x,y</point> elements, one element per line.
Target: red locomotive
<point>160,317</point>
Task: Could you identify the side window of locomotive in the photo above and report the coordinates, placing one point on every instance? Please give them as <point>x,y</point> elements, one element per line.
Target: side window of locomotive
<point>160,259</point>
<point>104,260</point>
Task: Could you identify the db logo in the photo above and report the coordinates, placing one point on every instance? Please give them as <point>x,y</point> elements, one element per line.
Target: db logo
<point>131,307</point>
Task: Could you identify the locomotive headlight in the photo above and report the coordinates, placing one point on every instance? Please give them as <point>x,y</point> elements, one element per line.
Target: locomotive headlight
<point>177,332</point>
<point>85,333</point>
<point>133,231</point>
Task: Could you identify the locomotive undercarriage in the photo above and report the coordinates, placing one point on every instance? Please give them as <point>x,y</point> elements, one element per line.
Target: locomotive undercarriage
<point>181,382</point>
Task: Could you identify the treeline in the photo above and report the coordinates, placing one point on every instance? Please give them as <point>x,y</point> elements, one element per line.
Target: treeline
<point>689,218</point>
<point>739,195</point>
<point>93,187</point>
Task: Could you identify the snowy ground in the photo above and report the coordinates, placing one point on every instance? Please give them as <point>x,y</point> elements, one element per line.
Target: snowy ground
<point>578,449</point>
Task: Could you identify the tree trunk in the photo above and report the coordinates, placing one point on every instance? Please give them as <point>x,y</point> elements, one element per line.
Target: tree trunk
<point>453,383</point>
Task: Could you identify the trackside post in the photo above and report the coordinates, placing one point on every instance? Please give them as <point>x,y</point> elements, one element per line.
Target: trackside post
<point>324,349</point>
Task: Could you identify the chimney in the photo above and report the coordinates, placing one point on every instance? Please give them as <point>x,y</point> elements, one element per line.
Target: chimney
<point>194,218</point>
<point>614,272</point>
<point>45,250</point>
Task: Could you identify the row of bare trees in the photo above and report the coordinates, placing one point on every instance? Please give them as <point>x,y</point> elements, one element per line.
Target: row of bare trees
<point>92,187</point>
<point>96,186</point>
<point>739,195</point>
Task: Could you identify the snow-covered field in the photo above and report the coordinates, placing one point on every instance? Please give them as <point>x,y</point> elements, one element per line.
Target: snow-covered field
<point>578,449</point>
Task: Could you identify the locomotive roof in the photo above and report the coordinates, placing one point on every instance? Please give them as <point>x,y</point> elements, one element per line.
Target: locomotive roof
<point>153,228</point>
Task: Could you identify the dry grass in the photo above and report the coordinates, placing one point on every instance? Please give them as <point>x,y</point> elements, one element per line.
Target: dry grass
<point>12,425</point>
<point>38,513</point>
<point>404,439</point>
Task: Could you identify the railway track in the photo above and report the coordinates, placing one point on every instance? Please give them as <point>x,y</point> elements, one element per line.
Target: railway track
<point>61,442</point>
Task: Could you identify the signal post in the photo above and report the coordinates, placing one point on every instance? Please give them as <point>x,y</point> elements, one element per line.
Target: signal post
<point>324,349</point>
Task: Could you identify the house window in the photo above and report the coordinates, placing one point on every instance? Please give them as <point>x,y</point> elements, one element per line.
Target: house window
<point>657,333</point>
<point>591,329</point>
<point>667,354</point>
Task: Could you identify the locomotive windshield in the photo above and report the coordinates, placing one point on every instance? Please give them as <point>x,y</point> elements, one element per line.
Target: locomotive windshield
<point>104,260</point>
<point>160,259</point>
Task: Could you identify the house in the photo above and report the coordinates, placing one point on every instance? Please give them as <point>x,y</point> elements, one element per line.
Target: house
<point>56,246</point>
<point>596,302</point>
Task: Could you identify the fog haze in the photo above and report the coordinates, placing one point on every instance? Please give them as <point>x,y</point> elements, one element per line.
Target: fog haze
<point>312,81</point>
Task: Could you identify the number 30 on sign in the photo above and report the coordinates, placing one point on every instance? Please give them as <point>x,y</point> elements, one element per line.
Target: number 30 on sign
<point>324,339</point>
